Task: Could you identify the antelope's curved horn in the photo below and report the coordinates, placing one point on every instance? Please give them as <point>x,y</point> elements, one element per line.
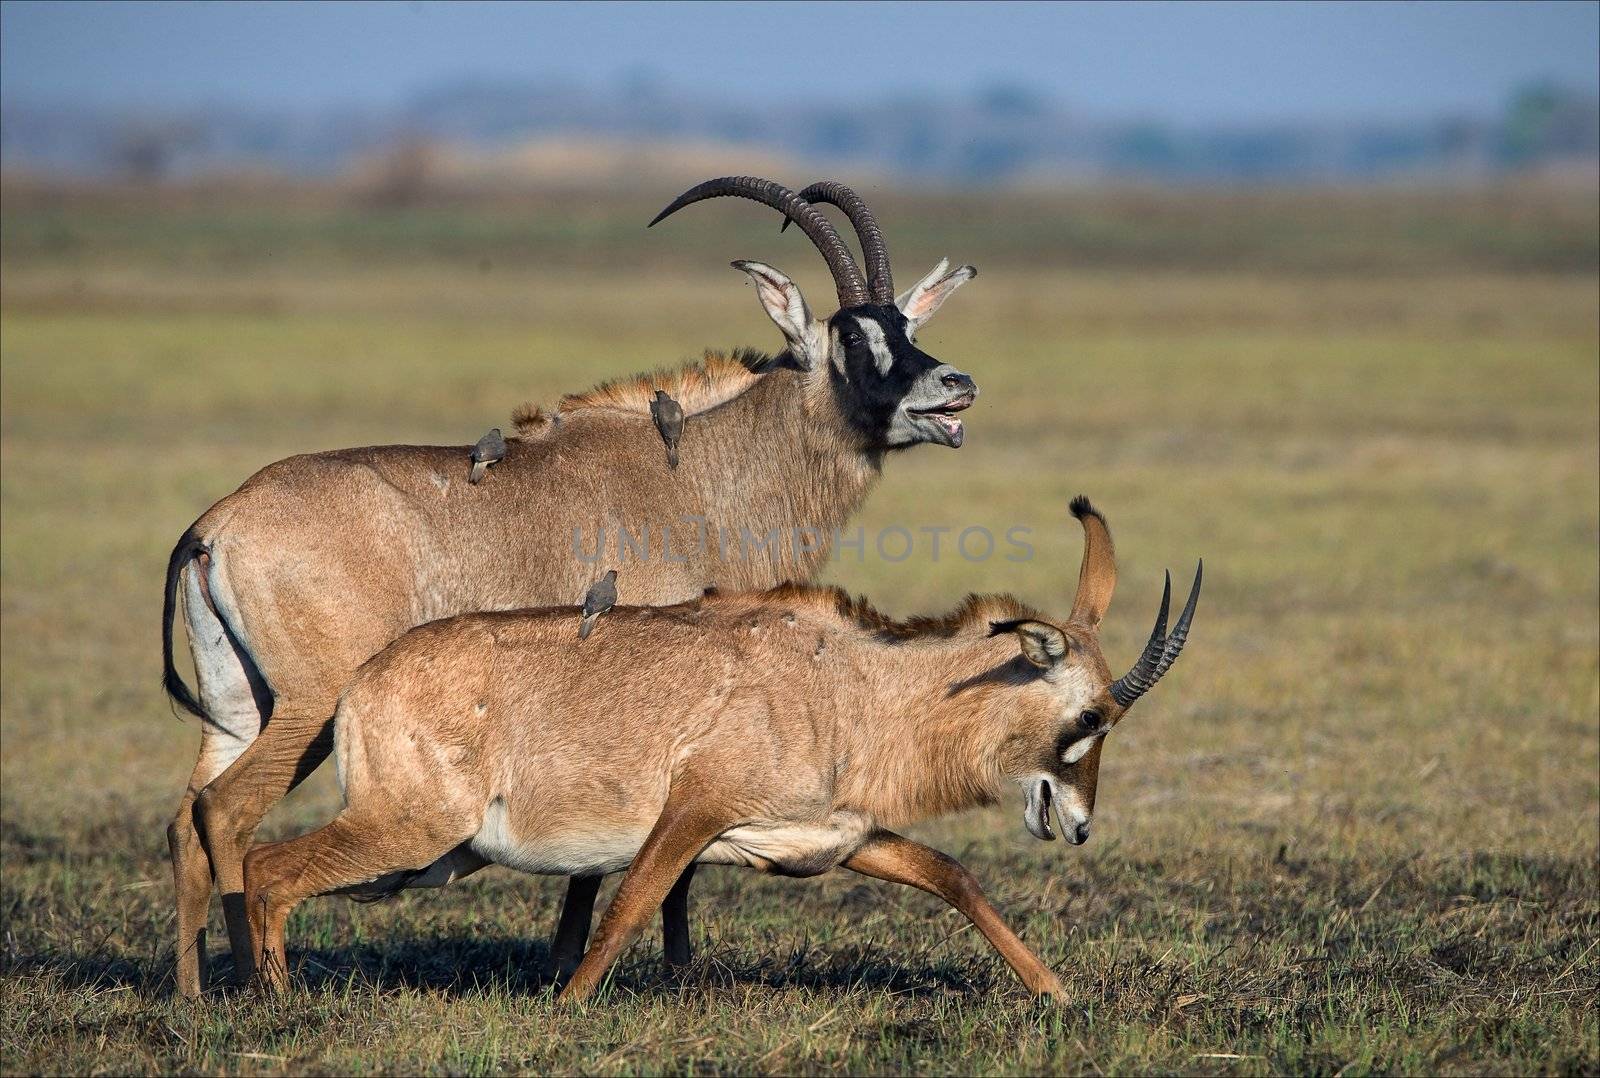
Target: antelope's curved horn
<point>873,249</point>
<point>846,274</point>
<point>1162,649</point>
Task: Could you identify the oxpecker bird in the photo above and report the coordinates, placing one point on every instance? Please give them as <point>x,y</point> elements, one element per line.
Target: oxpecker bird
<point>668,415</point>
<point>491,449</point>
<point>602,596</point>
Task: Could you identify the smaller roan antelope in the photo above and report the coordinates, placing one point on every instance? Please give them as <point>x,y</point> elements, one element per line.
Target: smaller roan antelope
<point>785,730</point>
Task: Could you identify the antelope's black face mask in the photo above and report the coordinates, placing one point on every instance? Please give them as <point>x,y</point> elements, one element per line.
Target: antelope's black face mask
<point>890,390</point>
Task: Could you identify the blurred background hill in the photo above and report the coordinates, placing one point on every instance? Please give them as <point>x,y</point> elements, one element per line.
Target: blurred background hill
<point>957,95</point>
<point>511,132</point>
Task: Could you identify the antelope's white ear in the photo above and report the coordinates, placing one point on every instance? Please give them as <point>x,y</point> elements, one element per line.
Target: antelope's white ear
<point>1042,645</point>
<point>921,300</point>
<point>808,340</point>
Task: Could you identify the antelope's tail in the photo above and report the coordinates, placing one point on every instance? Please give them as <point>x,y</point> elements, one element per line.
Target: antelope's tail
<point>189,547</point>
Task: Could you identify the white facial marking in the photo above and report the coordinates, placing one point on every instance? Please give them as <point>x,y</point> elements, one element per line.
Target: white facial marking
<point>878,343</point>
<point>838,353</point>
<point>1079,749</point>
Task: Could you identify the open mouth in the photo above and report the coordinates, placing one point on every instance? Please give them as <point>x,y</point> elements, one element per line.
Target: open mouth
<point>1041,798</point>
<point>943,416</point>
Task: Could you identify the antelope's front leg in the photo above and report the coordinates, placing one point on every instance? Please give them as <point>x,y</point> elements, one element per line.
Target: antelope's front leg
<point>690,820</point>
<point>893,857</point>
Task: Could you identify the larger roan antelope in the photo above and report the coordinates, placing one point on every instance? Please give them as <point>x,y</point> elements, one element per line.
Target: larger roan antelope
<point>787,731</point>
<point>316,562</point>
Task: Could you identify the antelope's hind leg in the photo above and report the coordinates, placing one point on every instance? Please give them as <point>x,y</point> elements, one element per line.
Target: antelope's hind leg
<point>676,948</point>
<point>572,931</point>
<point>356,848</point>
<point>236,702</point>
<point>577,914</point>
<point>892,857</point>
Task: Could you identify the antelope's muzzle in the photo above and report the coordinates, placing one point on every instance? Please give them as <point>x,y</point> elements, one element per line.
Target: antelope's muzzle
<point>934,401</point>
<point>1042,798</point>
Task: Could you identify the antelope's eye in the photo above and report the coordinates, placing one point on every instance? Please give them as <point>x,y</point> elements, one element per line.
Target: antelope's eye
<point>1091,720</point>
<point>852,339</point>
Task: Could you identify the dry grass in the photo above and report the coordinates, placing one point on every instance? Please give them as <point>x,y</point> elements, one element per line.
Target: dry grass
<point>1355,830</point>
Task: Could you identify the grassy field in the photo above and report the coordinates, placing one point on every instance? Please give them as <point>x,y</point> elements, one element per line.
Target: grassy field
<point>1355,830</point>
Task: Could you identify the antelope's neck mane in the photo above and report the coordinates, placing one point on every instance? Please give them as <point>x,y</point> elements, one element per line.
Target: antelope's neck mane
<point>971,616</point>
<point>927,737</point>
<point>697,387</point>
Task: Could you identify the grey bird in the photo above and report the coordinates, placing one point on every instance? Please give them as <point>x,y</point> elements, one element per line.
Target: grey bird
<point>491,449</point>
<point>668,415</point>
<point>602,596</point>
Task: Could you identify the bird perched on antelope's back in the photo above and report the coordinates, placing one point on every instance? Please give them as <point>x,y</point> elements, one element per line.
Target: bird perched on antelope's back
<point>668,415</point>
<point>491,449</point>
<point>602,596</point>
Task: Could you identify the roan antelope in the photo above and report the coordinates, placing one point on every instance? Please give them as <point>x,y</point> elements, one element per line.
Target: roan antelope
<point>316,562</point>
<point>785,730</point>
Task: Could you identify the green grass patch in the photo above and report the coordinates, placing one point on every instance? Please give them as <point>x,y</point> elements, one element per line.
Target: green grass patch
<point>1354,832</point>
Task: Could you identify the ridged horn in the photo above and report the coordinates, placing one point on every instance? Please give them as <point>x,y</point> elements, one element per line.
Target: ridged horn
<point>873,248</point>
<point>846,274</point>
<point>1162,649</point>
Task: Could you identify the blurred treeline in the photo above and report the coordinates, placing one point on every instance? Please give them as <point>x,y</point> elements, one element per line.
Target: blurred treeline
<point>504,133</point>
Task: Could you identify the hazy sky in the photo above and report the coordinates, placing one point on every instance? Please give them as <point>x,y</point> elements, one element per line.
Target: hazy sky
<point>1188,62</point>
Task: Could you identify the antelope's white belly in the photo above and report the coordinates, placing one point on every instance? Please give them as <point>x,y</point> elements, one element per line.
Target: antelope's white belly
<point>572,851</point>
<point>790,849</point>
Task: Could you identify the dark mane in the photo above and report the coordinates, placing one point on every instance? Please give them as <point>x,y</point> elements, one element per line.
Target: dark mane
<point>973,613</point>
